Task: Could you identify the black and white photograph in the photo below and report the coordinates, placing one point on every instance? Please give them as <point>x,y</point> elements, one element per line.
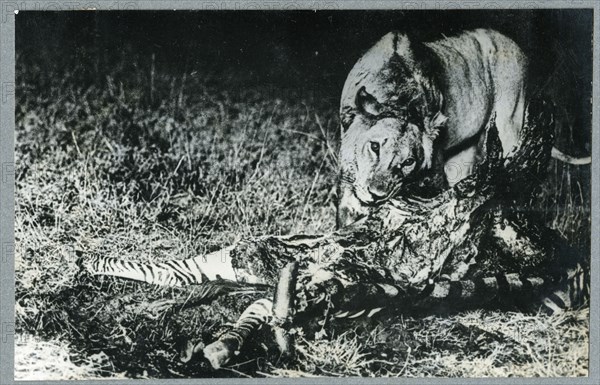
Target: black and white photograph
<point>302,193</point>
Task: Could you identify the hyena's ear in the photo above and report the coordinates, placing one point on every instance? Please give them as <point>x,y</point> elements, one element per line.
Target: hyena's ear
<point>367,103</point>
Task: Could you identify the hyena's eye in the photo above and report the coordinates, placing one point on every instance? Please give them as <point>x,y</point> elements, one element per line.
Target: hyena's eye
<point>375,148</point>
<point>408,162</point>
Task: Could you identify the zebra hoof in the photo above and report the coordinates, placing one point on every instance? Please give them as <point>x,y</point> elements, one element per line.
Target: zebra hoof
<point>218,353</point>
<point>190,350</point>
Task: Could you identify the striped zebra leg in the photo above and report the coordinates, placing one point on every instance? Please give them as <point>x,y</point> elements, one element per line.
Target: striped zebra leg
<point>155,274</point>
<point>259,313</point>
<point>549,295</point>
<point>465,293</point>
<point>572,291</point>
<point>228,345</point>
<point>176,272</point>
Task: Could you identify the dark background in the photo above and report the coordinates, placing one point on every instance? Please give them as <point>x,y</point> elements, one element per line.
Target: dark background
<point>307,49</point>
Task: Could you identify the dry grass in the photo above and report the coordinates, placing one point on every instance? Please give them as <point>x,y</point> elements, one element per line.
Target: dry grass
<point>159,166</point>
